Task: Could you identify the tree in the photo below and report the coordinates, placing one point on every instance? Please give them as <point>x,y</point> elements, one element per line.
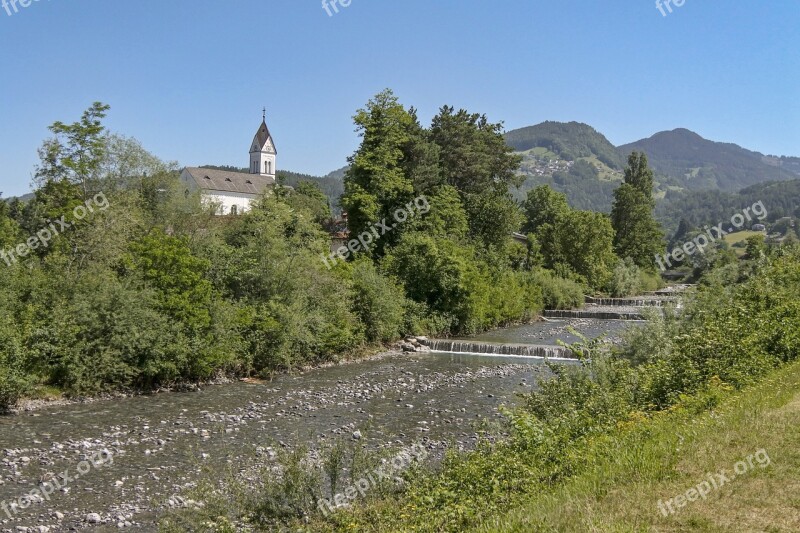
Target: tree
<point>755,247</point>
<point>8,227</point>
<point>475,159</point>
<point>77,151</point>
<point>544,206</point>
<point>583,241</point>
<point>376,184</point>
<point>474,156</point>
<point>638,235</point>
<point>308,196</point>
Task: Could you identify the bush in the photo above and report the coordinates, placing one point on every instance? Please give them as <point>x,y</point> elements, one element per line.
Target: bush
<point>625,280</point>
<point>378,301</point>
<point>558,293</point>
<point>15,381</point>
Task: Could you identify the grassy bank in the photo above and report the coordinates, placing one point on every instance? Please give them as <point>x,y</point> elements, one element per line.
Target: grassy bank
<point>633,471</point>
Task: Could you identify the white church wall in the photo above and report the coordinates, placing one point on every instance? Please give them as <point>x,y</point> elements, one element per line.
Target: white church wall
<point>227,200</point>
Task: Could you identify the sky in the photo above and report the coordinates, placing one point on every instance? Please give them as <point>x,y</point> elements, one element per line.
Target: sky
<point>189,78</point>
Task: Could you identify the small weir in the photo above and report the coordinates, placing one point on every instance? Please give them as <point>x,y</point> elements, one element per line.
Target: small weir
<point>484,348</point>
<point>597,314</point>
<point>652,301</point>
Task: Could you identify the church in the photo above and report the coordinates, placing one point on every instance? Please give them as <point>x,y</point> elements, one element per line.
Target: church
<point>234,192</point>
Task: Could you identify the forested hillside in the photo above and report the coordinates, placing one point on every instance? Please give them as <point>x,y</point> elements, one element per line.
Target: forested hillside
<point>698,163</point>
<point>699,208</point>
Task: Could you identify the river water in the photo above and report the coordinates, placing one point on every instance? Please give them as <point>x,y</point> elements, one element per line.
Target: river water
<point>161,445</point>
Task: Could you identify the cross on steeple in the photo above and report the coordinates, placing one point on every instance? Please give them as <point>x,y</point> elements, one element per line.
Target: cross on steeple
<point>265,114</point>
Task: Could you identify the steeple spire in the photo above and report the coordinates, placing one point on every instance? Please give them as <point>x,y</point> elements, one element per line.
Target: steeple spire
<point>262,151</point>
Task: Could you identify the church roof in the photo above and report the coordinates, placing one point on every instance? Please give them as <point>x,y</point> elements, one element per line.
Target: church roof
<point>262,136</point>
<point>224,180</point>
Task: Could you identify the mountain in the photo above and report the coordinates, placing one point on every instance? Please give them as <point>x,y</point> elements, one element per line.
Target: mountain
<point>569,141</point>
<point>579,161</point>
<point>697,163</point>
<point>572,158</point>
<point>24,198</point>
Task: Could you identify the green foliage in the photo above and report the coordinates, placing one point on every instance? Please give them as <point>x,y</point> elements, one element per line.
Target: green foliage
<point>701,208</point>
<point>77,151</point>
<point>379,302</point>
<point>309,197</point>
<point>473,156</point>
<point>630,280</point>
<point>447,217</point>
<point>9,229</point>
<point>755,247</point>
<point>376,183</point>
<point>557,292</point>
<point>637,234</point>
<point>583,241</point>
<point>544,206</point>
<point>166,263</point>
<point>578,244</point>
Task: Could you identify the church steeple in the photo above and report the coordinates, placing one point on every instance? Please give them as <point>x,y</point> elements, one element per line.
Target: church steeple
<point>262,151</point>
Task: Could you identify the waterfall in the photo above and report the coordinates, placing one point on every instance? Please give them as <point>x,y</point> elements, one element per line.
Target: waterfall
<point>522,350</point>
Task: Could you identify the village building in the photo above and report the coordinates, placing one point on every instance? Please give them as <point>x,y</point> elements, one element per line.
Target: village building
<point>234,192</point>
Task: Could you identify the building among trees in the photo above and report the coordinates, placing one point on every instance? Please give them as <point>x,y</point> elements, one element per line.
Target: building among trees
<point>234,192</point>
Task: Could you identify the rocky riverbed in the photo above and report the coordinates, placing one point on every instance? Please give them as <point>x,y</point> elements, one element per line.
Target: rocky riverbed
<point>158,447</point>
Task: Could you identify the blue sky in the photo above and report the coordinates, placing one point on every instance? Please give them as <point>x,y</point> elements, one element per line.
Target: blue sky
<point>189,78</point>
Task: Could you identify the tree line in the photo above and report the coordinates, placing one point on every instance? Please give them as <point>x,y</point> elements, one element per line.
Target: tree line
<point>156,289</point>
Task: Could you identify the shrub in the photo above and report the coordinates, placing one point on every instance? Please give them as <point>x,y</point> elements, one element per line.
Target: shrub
<point>558,293</point>
<point>378,301</point>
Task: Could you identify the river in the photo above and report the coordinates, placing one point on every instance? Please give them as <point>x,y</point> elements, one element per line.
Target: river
<point>162,444</point>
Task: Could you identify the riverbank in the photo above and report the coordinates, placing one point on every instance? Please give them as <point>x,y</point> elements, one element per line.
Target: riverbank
<point>673,454</point>
<point>48,397</point>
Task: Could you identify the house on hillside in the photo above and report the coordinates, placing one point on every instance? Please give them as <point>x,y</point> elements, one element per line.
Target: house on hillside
<point>234,192</point>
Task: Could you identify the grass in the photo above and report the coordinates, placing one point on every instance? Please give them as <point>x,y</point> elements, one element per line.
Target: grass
<point>670,455</point>
<point>605,173</point>
<point>741,236</point>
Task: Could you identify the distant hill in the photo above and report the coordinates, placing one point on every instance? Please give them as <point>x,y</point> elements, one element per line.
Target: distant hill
<point>709,208</point>
<point>572,158</point>
<point>24,198</point>
<point>569,141</point>
<point>579,161</point>
<point>697,163</point>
